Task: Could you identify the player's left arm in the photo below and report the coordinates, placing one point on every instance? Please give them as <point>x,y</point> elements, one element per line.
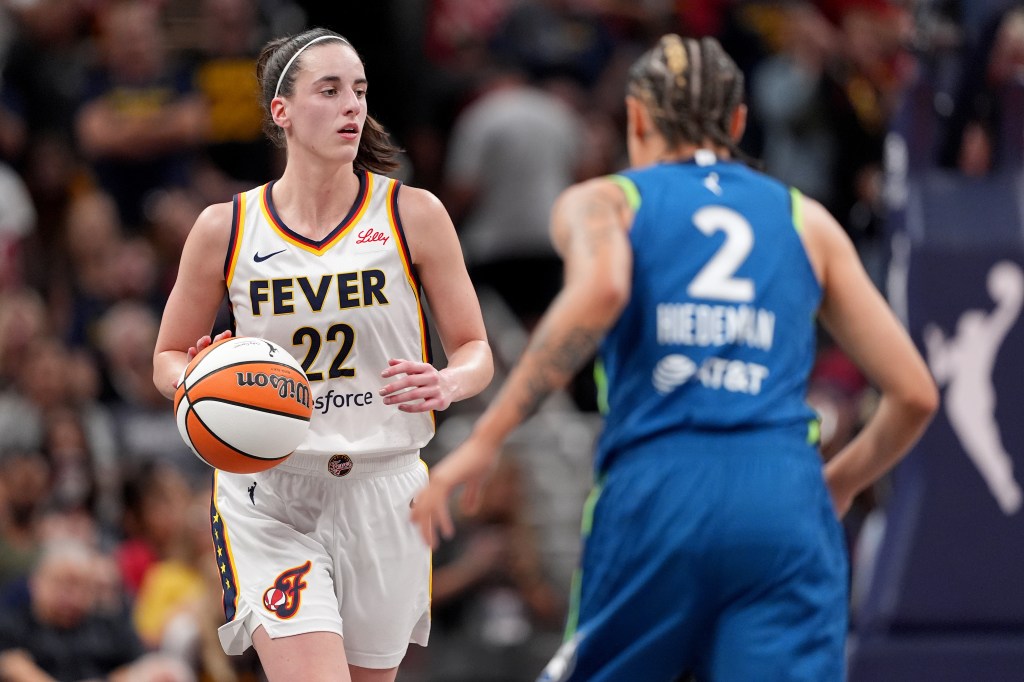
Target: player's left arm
<point>437,257</point>
<point>861,322</point>
<point>589,228</point>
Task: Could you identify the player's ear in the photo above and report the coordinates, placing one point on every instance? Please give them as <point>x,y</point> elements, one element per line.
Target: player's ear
<point>638,121</point>
<point>738,122</point>
<point>278,111</point>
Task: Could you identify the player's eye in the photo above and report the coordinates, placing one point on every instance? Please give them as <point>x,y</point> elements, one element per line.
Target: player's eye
<point>330,92</point>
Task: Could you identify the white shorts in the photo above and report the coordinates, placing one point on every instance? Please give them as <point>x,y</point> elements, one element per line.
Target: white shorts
<point>302,549</point>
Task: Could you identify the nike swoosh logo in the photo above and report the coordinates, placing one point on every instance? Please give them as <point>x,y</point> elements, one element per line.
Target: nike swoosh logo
<point>259,259</point>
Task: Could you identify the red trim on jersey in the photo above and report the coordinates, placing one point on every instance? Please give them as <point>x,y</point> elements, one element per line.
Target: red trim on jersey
<point>235,240</point>
<point>313,246</point>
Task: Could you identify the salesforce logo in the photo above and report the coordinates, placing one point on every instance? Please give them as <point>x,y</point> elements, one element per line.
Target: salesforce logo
<point>673,370</point>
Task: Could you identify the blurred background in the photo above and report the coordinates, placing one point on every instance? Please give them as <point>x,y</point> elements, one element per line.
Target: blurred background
<point>121,120</point>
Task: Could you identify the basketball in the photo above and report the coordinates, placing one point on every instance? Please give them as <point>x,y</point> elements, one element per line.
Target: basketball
<point>273,599</point>
<point>243,405</point>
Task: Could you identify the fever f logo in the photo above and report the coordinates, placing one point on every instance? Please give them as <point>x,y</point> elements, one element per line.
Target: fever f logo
<point>284,597</point>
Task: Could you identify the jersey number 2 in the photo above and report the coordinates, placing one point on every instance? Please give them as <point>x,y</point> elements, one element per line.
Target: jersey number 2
<point>717,280</point>
<point>348,338</point>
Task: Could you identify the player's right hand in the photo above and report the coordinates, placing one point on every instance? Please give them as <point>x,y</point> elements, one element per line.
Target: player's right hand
<point>468,466</point>
<point>195,350</point>
<point>203,343</point>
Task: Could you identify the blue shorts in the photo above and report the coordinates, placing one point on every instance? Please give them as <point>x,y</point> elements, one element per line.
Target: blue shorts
<point>717,555</point>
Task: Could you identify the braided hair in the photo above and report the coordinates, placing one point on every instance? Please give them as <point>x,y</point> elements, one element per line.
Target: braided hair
<point>276,73</point>
<point>691,89</point>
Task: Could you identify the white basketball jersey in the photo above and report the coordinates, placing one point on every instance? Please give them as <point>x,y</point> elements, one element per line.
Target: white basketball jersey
<point>343,306</point>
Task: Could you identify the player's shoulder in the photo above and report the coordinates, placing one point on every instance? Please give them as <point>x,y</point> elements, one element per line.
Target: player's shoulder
<point>216,216</point>
<point>610,186</point>
<point>416,204</point>
<point>824,237</point>
<point>214,223</point>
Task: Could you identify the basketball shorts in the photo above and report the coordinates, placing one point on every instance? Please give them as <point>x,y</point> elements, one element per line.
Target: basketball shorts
<point>321,544</point>
<point>716,556</point>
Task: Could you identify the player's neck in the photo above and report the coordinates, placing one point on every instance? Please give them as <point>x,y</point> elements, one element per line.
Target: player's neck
<point>314,203</point>
<point>685,152</point>
<point>655,149</point>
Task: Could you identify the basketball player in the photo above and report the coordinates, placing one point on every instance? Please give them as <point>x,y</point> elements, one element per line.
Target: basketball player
<point>322,571</point>
<point>714,544</point>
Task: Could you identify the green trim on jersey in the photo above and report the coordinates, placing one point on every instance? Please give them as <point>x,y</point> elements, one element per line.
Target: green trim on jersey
<point>814,432</point>
<point>601,382</point>
<point>629,188</point>
<point>572,620</point>
<point>588,508</point>
<point>796,204</point>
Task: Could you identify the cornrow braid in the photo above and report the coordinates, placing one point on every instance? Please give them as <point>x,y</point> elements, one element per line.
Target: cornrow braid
<point>691,89</point>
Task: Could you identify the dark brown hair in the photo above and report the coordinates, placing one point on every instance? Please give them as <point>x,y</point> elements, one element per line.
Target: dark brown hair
<point>376,151</point>
<point>691,89</point>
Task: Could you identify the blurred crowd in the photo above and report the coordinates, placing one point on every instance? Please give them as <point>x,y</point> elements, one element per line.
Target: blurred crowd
<point>121,119</point>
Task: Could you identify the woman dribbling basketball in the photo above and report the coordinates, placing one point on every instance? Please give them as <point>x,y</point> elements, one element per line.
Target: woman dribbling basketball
<point>322,571</point>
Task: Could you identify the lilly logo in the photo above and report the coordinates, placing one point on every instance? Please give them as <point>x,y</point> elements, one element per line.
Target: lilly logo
<point>372,236</point>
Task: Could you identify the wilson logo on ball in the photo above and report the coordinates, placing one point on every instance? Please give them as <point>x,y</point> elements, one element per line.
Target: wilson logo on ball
<point>286,387</point>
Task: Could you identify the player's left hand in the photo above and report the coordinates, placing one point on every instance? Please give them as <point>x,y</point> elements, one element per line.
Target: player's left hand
<point>422,388</point>
<point>467,466</point>
<point>842,496</point>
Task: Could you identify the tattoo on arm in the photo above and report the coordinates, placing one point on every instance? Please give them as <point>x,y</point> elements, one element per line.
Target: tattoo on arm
<point>599,219</point>
<point>556,364</point>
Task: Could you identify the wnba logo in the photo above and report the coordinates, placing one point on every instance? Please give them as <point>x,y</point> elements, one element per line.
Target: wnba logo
<point>285,386</point>
<point>284,597</point>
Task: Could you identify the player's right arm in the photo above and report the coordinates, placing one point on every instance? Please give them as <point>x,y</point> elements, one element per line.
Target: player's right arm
<point>858,318</point>
<point>195,298</point>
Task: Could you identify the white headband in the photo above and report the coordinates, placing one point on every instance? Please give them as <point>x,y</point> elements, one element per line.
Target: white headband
<point>295,56</point>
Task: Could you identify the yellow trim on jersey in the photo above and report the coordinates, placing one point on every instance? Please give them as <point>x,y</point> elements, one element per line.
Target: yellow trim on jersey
<point>401,248</point>
<point>227,547</point>
<point>318,249</point>
<point>237,229</point>
<point>406,265</point>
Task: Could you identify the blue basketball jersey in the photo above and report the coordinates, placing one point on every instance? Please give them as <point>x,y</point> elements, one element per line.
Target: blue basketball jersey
<point>719,332</point>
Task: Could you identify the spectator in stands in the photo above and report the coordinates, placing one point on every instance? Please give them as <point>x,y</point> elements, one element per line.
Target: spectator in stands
<point>17,223</point>
<point>46,68</point>
<point>23,322</point>
<point>141,122</point>
<point>237,153</point>
<point>51,378</point>
<point>104,266</point>
<point>61,635</point>
<point>154,496</point>
<point>179,603</point>
<point>24,489</point>
<point>491,601</point>
<point>790,101</point>
<point>555,39</point>
<point>992,66</point>
<point>144,421</point>
<point>511,152</point>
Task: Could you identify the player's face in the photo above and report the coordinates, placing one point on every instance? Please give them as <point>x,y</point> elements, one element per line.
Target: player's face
<point>327,110</point>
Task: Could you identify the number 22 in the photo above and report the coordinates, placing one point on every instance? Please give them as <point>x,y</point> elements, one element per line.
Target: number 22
<point>348,338</point>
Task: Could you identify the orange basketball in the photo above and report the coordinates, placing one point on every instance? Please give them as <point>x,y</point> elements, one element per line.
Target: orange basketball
<point>243,405</point>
